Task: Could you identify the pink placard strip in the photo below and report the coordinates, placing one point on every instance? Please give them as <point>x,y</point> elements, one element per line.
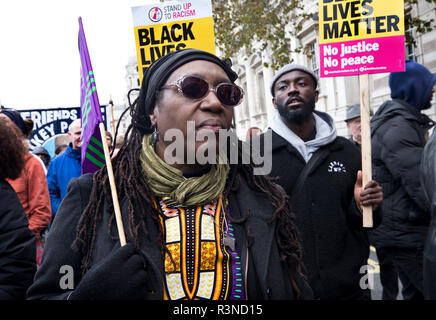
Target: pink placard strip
<point>350,58</point>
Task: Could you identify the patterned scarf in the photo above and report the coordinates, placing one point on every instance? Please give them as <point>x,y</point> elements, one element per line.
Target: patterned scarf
<point>167,181</point>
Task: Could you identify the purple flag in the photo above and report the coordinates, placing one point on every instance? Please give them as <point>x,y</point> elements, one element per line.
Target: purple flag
<point>92,148</point>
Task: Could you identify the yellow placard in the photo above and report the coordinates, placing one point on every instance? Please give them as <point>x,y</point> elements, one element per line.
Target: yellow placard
<point>347,20</point>
<point>154,41</point>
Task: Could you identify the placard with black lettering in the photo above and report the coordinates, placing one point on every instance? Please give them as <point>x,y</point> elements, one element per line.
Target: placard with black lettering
<point>361,37</point>
<point>170,26</point>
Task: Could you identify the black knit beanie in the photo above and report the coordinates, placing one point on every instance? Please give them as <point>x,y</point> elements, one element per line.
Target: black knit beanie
<point>157,74</point>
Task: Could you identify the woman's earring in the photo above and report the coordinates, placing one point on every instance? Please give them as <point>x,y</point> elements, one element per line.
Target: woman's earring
<point>155,135</point>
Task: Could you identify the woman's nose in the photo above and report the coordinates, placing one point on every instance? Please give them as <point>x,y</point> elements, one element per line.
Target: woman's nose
<point>211,101</point>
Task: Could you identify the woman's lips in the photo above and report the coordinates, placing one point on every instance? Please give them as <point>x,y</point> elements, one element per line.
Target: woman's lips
<point>213,125</point>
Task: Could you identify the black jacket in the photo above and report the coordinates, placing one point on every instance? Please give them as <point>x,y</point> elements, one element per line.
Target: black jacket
<point>428,179</point>
<point>17,246</point>
<point>335,243</point>
<point>398,131</point>
<point>268,277</point>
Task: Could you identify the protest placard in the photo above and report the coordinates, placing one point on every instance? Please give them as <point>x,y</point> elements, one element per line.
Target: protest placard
<point>361,37</point>
<point>170,26</point>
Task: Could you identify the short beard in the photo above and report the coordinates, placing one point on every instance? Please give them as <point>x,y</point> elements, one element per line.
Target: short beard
<point>297,116</point>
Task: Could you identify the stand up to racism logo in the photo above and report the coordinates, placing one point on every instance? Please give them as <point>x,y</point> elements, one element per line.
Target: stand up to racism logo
<point>155,14</point>
<point>170,26</point>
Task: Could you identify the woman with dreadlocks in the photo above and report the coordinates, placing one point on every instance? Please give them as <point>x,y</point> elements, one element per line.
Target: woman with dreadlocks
<point>194,230</point>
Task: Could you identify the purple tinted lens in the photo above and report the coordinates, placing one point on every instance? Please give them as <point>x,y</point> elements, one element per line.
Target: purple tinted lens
<point>194,87</point>
<point>229,94</point>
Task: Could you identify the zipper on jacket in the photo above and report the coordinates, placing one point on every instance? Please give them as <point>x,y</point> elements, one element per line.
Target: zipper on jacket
<point>246,272</point>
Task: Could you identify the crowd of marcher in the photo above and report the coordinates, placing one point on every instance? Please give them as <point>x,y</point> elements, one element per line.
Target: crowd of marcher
<point>217,230</point>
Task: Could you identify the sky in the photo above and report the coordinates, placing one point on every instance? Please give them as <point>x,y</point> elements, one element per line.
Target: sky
<point>39,57</point>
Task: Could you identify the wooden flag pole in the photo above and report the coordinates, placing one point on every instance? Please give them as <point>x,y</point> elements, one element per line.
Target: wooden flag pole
<point>110,172</point>
<point>366,143</point>
<point>112,112</point>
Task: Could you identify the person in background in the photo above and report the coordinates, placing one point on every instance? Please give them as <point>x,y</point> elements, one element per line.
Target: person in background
<point>60,149</point>
<point>109,140</point>
<point>118,144</point>
<point>388,274</point>
<point>65,167</point>
<point>352,121</point>
<point>17,242</point>
<point>353,124</point>
<point>31,185</point>
<point>252,132</point>
<point>428,181</point>
<point>398,130</point>
<point>43,154</point>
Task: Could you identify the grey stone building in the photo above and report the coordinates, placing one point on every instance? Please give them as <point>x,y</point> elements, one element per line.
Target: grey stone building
<point>335,93</point>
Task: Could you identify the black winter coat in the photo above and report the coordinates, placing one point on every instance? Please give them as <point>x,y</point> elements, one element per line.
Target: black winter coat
<point>335,244</point>
<point>428,179</point>
<point>268,276</point>
<point>398,141</point>
<point>17,246</point>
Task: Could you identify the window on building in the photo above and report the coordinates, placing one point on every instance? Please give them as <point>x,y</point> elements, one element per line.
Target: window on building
<point>260,86</point>
<point>256,67</point>
<point>410,46</point>
<point>312,50</point>
<point>244,107</point>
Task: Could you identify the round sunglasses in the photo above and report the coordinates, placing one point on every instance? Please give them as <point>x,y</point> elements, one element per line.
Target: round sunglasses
<point>194,87</point>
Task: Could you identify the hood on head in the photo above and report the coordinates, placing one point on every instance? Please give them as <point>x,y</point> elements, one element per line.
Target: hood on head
<point>413,85</point>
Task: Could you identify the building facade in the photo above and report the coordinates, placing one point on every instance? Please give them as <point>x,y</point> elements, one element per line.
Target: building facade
<point>132,92</point>
<point>335,93</point>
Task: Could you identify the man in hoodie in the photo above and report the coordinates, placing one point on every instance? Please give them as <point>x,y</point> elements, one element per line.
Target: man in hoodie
<point>398,132</point>
<point>320,171</point>
<point>388,274</point>
<point>65,167</point>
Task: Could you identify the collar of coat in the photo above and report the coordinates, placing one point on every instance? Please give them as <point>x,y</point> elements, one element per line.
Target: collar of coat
<point>396,107</point>
<point>245,204</point>
<point>279,142</point>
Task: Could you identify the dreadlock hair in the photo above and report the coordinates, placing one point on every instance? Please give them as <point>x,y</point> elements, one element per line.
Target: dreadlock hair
<point>131,183</point>
<point>288,237</point>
